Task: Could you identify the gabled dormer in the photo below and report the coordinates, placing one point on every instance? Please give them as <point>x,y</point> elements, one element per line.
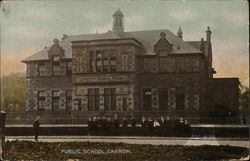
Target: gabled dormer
<point>55,53</point>
<point>163,46</point>
<point>56,50</point>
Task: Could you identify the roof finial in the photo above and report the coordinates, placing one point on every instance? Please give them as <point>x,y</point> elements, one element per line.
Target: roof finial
<point>179,32</point>
<point>162,34</point>
<point>56,41</point>
<point>118,21</point>
<point>209,33</point>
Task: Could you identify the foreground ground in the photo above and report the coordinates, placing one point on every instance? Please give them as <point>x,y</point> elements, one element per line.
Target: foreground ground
<point>29,150</point>
<point>188,141</point>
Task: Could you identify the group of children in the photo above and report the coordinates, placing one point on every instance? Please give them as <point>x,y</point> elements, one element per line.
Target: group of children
<point>174,126</point>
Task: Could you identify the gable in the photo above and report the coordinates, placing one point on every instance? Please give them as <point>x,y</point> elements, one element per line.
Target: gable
<point>56,50</point>
<point>163,45</point>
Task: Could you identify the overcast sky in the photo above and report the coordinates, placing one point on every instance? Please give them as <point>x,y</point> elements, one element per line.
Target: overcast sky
<point>29,26</point>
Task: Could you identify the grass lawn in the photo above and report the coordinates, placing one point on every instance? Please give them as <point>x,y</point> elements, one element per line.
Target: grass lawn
<point>27,150</point>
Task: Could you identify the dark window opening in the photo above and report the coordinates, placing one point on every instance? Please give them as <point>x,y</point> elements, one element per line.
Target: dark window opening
<point>180,98</point>
<point>91,61</point>
<point>93,99</point>
<point>124,103</point>
<point>113,60</point>
<point>98,61</point>
<point>68,100</point>
<point>109,99</point>
<point>113,99</point>
<point>163,98</point>
<point>147,99</point>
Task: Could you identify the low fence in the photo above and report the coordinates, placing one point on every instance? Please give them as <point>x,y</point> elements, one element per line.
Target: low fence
<point>81,117</point>
<point>82,130</point>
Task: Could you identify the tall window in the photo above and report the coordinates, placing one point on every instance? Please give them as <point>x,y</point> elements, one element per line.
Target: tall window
<point>180,66</point>
<point>163,98</point>
<point>41,69</point>
<point>113,99</point>
<point>69,67</point>
<point>124,103</point>
<point>102,60</point>
<point>68,100</point>
<point>147,99</point>
<point>113,60</point>
<point>105,61</point>
<point>93,99</point>
<point>109,99</point>
<point>180,98</point>
<point>55,100</point>
<point>91,61</point>
<point>98,61</point>
<point>163,61</point>
<point>41,100</point>
<point>79,104</point>
<point>56,65</point>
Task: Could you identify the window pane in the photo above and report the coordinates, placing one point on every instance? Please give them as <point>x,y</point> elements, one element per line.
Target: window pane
<point>105,53</point>
<point>113,53</point>
<point>56,69</point>
<point>41,100</point>
<point>163,64</point>
<point>41,69</point>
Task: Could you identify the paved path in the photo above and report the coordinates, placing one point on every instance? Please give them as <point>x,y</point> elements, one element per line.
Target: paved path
<point>195,141</point>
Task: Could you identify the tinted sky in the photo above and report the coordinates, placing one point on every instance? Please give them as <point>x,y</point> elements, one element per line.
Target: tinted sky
<point>29,26</point>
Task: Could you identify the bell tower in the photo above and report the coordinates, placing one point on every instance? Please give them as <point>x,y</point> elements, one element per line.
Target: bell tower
<point>118,21</point>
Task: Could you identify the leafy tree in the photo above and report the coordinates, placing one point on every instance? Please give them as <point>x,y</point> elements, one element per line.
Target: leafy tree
<point>13,95</point>
<point>244,100</point>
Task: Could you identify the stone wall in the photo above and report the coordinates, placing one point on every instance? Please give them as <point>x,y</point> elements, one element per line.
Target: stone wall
<point>190,82</point>
<point>47,84</point>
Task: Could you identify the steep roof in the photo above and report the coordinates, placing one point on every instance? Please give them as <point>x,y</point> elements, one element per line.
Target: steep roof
<point>195,44</point>
<point>150,38</point>
<point>147,38</point>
